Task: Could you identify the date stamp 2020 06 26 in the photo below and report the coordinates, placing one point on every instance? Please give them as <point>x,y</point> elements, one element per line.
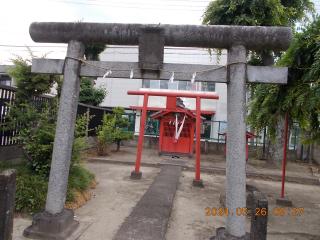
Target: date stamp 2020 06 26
<point>258,212</point>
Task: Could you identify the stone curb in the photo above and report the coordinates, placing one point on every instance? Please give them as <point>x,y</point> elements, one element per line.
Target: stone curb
<point>221,171</point>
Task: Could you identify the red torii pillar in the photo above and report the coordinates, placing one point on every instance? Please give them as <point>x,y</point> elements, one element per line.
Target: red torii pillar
<point>137,174</point>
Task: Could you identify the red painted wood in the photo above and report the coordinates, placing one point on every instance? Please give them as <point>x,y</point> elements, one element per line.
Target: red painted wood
<point>174,94</point>
<point>167,134</point>
<point>164,109</point>
<point>160,136</point>
<point>141,132</point>
<point>191,138</point>
<point>198,104</point>
<point>171,102</point>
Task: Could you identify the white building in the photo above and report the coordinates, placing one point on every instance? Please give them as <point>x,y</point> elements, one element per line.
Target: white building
<point>117,88</point>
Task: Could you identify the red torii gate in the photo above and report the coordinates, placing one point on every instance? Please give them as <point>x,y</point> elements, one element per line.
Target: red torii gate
<point>137,174</point>
<point>248,135</point>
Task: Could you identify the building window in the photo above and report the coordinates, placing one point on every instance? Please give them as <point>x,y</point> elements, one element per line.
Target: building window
<point>173,86</point>
<point>179,85</point>
<point>154,84</point>
<point>208,86</point>
<point>5,80</point>
<point>145,83</point>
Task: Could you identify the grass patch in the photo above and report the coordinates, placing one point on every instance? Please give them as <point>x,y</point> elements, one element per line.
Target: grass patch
<point>31,188</point>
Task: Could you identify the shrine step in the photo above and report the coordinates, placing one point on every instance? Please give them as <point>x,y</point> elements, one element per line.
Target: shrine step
<point>174,162</point>
<point>149,218</point>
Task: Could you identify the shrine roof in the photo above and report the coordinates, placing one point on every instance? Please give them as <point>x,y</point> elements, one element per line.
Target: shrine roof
<point>155,113</point>
<point>179,105</point>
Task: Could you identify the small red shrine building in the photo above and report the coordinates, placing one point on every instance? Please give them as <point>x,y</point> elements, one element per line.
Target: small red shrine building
<point>176,135</point>
<point>248,135</point>
<point>174,108</point>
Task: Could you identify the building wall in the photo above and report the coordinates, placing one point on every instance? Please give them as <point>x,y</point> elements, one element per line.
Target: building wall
<point>117,91</point>
<point>117,88</point>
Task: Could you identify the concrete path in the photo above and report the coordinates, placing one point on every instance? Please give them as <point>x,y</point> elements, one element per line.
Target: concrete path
<point>149,218</point>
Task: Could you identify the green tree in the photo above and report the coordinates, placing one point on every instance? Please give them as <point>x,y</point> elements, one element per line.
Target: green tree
<point>121,125</point>
<point>113,128</point>
<point>92,51</point>
<point>30,85</point>
<point>90,95</point>
<point>300,98</point>
<point>257,12</point>
<point>262,13</point>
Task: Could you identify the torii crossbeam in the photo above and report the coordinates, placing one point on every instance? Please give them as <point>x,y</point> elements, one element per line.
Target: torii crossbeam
<point>236,39</point>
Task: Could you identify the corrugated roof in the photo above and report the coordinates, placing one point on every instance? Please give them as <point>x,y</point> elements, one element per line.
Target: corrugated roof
<point>3,68</point>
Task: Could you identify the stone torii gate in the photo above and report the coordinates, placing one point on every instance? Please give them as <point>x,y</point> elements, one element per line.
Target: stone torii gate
<point>236,39</point>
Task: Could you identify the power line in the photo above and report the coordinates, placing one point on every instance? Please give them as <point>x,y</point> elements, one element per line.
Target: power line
<point>137,3</point>
<point>163,1</point>
<point>31,46</point>
<point>173,9</point>
<point>14,32</point>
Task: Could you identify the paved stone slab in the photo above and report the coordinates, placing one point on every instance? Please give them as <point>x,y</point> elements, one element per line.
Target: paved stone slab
<point>82,227</point>
<point>149,218</point>
<point>175,161</point>
<point>283,201</point>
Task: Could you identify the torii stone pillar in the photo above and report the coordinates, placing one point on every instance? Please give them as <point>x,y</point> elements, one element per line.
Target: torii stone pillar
<point>236,144</point>
<point>56,222</point>
<point>237,39</point>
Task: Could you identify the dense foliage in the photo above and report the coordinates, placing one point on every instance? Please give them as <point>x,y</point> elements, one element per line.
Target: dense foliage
<point>90,95</point>
<point>257,12</point>
<point>36,123</point>
<point>30,84</point>
<point>31,189</point>
<point>265,111</point>
<point>301,96</point>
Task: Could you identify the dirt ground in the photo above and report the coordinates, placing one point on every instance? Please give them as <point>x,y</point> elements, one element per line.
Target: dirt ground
<point>128,154</point>
<point>114,197</point>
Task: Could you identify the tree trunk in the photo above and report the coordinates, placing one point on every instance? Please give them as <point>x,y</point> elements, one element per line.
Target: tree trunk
<point>275,150</point>
<point>118,145</point>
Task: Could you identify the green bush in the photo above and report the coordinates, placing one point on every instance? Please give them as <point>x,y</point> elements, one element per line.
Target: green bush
<point>31,188</point>
<point>37,131</point>
<point>113,129</point>
<point>90,95</point>
<point>80,179</point>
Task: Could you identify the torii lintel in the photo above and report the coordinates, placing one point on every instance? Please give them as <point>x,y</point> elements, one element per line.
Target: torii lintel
<point>213,36</point>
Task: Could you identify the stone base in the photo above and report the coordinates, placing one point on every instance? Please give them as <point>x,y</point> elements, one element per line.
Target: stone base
<point>249,197</point>
<point>222,235</point>
<point>136,175</point>
<point>283,201</point>
<point>197,183</point>
<point>47,226</point>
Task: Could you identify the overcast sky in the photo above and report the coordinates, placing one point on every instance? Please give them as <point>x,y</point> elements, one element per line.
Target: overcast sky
<point>16,16</point>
